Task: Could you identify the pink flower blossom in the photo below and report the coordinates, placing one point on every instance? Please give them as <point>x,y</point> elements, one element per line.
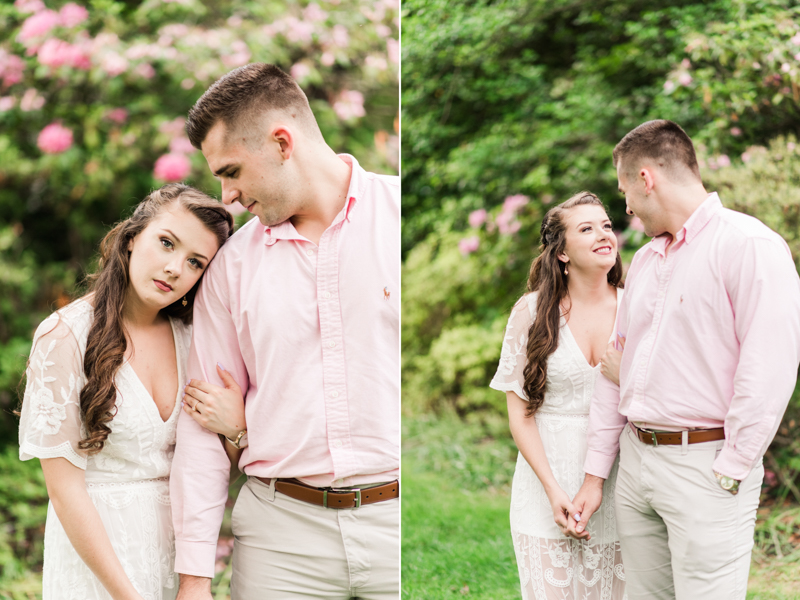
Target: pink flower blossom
<point>118,115</point>
<point>114,64</point>
<point>383,30</point>
<point>340,36</point>
<point>350,105</point>
<point>669,86</point>
<point>477,217</point>
<point>299,31</point>
<point>376,62</point>
<point>29,6</point>
<point>513,203</point>
<point>636,224</point>
<point>469,245</point>
<point>38,25</point>
<point>175,30</point>
<point>54,53</point>
<point>172,167</point>
<point>393,49</point>
<point>145,71</point>
<point>506,223</point>
<point>235,209</point>
<point>795,39</point>
<point>300,71</point>
<point>188,83</point>
<point>72,14</point>
<point>31,100</point>
<point>736,132</point>
<point>797,56</point>
<point>241,55</point>
<point>723,161</point>
<point>684,79</point>
<point>790,146</point>
<point>786,67</point>
<point>685,63</point>
<point>181,145</point>
<point>314,13</point>
<point>327,59</point>
<point>746,156</point>
<point>173,128</point>
<point>54,139</point>
<point>757,65</point>
<point>7,103</point>
<point>79,56</point>
<point>11,68</point>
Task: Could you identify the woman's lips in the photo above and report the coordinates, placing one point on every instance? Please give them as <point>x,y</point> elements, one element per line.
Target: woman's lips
<point>163,286</point>
<point>603,250</point>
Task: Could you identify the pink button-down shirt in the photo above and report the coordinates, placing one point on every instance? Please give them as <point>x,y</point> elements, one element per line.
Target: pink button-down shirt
<point>311,335</point>
<point>713,339</point>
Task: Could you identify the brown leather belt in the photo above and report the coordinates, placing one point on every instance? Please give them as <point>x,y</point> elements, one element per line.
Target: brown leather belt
<point>675,438</point>
<point>329,498</point>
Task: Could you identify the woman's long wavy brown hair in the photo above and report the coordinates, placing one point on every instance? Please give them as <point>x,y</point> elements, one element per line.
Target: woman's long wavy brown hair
<point>106,345</point>
<point>548,279</point>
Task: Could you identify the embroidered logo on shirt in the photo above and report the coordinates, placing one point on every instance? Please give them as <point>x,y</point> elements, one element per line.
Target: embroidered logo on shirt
<point>386,293</point>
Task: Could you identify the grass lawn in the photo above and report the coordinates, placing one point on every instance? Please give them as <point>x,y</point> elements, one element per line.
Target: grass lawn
<point>456,539</point>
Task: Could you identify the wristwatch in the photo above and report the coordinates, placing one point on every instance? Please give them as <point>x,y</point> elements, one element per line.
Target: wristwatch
<point>729,484</point>
<point>240,441</point>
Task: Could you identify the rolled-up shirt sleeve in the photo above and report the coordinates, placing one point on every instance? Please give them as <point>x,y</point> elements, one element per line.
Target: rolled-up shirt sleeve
<point>200,469</point>
<point>605,420</point>
<point>764,291</point>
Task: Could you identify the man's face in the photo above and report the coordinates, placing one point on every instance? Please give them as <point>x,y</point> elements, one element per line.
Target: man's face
<point>249,174</point>
<point>638,203</point>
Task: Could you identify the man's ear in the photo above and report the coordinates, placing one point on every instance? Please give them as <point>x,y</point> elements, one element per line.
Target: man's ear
<point>283,136</point>
<point>648,177</point>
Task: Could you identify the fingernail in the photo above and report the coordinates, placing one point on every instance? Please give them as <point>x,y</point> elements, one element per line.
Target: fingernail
<point>219,364</point>
<point>183,403</point>
<point>577,516</point>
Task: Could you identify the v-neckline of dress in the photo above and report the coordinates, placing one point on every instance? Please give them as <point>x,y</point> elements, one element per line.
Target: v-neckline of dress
<point>577,348</point>
<point>138,381</point>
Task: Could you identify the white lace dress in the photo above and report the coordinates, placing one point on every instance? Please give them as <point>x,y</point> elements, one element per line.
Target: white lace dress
<point>551,565</point>
<point>128,481</point>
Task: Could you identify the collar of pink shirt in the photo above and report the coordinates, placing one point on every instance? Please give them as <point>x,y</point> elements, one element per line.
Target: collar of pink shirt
<point>693,226</point>
<point>286,231</point>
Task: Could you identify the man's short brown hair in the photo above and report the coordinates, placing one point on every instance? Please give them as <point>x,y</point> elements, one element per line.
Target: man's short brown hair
<point>242,95</point>
<point>660,141</point>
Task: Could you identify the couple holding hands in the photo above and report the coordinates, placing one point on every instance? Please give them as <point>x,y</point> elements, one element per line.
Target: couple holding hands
<point>643,483</point>
<point>276,350</point>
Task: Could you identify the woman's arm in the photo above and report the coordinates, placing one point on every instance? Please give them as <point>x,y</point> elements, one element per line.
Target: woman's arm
<point>66,486</point>
<point>529,442</point>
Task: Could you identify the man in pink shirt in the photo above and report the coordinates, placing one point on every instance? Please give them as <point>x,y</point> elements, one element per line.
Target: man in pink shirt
<point>711,317</point>
<point>302,309</point>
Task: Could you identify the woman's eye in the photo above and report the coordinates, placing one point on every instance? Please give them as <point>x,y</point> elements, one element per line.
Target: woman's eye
<point>585,229</point>
<point>195,263</point>
<point>166,243</point>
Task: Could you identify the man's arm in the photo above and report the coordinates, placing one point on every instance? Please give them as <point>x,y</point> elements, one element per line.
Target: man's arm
<point>200,469</point>
<point>764,290</point>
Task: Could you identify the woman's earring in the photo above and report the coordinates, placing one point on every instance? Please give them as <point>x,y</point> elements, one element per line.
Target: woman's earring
<point>184,301</point>
<point>566,270</point>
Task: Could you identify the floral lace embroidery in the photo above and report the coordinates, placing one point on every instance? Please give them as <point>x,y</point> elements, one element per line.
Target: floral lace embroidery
<point>46,412</point>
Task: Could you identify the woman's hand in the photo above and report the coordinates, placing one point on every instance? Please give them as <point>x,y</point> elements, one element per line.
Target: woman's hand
<point>609,364</point>
<point>218,409</point>
<point>563,509</point>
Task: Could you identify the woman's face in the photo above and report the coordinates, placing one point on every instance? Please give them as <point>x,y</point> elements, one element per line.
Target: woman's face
<point>590,241</point>
<point>168,257</point>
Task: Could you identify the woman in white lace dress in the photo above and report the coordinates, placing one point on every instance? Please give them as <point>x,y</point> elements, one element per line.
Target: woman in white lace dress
<point>104,383</point>
<point>556,336</point>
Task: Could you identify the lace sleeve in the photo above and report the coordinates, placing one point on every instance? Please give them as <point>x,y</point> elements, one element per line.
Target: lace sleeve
<point>508,377</point>
<point>50,426</point>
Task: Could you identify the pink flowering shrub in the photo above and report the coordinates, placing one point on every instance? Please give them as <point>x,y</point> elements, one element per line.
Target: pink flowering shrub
<point>172,167</point>
<point>54,139</point>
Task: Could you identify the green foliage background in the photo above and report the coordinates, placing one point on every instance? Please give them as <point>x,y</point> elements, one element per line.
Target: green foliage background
<point>54,208</point>
<point>511,97</point>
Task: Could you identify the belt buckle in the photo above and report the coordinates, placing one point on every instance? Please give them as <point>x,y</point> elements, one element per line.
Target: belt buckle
<point>356,491</point>
<point>652,434</point>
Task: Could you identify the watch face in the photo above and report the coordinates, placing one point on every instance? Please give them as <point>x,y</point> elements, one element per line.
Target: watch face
<point>243,441</point>
<point>726,482</point>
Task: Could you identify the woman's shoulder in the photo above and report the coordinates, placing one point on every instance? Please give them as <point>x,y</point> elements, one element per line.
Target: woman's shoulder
<point>75,318</point>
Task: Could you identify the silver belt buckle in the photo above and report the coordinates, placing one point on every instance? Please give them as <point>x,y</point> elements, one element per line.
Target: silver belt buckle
<point>356,491</point>
<point>652,434</point>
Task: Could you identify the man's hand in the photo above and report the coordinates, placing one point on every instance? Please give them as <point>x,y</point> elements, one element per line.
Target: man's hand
<point>194,588</point>
<point>586,502</point>
<point>609,363</point>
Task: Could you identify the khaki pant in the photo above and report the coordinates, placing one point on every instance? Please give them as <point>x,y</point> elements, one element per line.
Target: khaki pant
<point>285,548</point>
<point>682,535</point>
